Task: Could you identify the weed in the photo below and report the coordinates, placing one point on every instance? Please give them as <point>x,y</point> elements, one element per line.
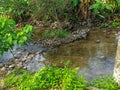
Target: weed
<point>47,78</point>
<point>105,24</point>
<point>14,79</point>
<point>106,83</point>
<point>54,34</point>
<point>114,24</point>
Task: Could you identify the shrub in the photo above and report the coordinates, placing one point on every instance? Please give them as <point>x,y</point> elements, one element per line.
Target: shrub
<point>9,36</point>
<point>18,10</point>
<point>47,78</point>
<point>105,8</point>
<point>54,34</point>
<point>14,79</point>
<point>48,9</point>
<point>101,9</point>
<point>114,24</point>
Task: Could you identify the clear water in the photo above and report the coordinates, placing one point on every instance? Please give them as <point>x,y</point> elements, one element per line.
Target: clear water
<point>94,56</point>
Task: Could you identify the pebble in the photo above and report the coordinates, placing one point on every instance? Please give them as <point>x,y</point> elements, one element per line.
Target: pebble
<point>8,72</point>
<point>1,65</point>
<point>108,33</point>
<point>24,59</point>
<point>102,57</point>
<point>24,67</point>
<point>118,27</point>
<point>3,69</point>
<point>97,41</point>
<point>12,66</point>
<point>20,64</point>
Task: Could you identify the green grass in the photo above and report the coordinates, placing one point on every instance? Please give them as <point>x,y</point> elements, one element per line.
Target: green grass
<point>105,83</point>
<point>45,79</point>
<point>55,34</point>
<point>55,78</point>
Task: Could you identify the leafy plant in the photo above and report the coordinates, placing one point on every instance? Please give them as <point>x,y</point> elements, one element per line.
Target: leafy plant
<point>48,9</point>
<point>54,34</point>
<point>106,83</point>
<point>73,82</point>
<point>19,10</point>
<point>9,36</point>
<point>114,24</point>
<point>105,24</point>
<point>14,79</point>
<point>47,78</point>
<point>101,9</point>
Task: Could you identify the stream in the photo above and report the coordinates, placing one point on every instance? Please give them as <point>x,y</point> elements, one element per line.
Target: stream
<point>94,56</point>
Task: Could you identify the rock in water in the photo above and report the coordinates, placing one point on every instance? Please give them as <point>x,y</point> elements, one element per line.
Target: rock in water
<point>116,73</point>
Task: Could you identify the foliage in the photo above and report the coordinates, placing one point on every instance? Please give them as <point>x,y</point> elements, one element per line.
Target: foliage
<point>106,83</point>
<point>47,78</point>
<point>14,79</point>
<point>114,24</point>
<point>101,9</point>
<point>73,82</point>
<point>105,24</point>
<point>56,78</point>
<point>48,9</point>
<point>54,34</point>
<point>9,36</point>
<point>19,10</point>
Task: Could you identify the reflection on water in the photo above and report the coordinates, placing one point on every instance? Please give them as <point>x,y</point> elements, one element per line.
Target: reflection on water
<point>94,56</point>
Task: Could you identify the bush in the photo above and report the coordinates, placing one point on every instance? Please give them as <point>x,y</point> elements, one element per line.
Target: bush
<point>15,79</point>
<point>105,8</point>
<point>47,78</point>
<point>101,9</point>
<point>54,34</point>
<point>9,36</point>
<point>48,9</point>
<point>56,78</point>
<point>18,10</point>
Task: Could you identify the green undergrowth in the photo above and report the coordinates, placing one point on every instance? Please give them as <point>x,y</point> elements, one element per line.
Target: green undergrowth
<point>105,83</point>
<point>45,79</point>
<point>55,34</point>
<point>50,78</point>
<point>112,24</point>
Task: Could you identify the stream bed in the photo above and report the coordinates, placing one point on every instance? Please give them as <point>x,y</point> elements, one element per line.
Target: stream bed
<point>94,56</point>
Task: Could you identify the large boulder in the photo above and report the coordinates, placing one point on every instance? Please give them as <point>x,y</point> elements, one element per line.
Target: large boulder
<point>116,73</point>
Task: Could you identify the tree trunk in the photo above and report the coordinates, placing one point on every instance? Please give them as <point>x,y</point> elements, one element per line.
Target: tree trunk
<point>116,73</point>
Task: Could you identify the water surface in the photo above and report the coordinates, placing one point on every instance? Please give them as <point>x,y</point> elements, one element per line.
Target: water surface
<point>94,56</point>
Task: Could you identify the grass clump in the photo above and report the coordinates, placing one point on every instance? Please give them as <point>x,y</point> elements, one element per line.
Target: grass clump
<point>45,79</point>
<point>105,83</point>
<point>55,34</point>
<point>15,79</point>
<point>50,78</point>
